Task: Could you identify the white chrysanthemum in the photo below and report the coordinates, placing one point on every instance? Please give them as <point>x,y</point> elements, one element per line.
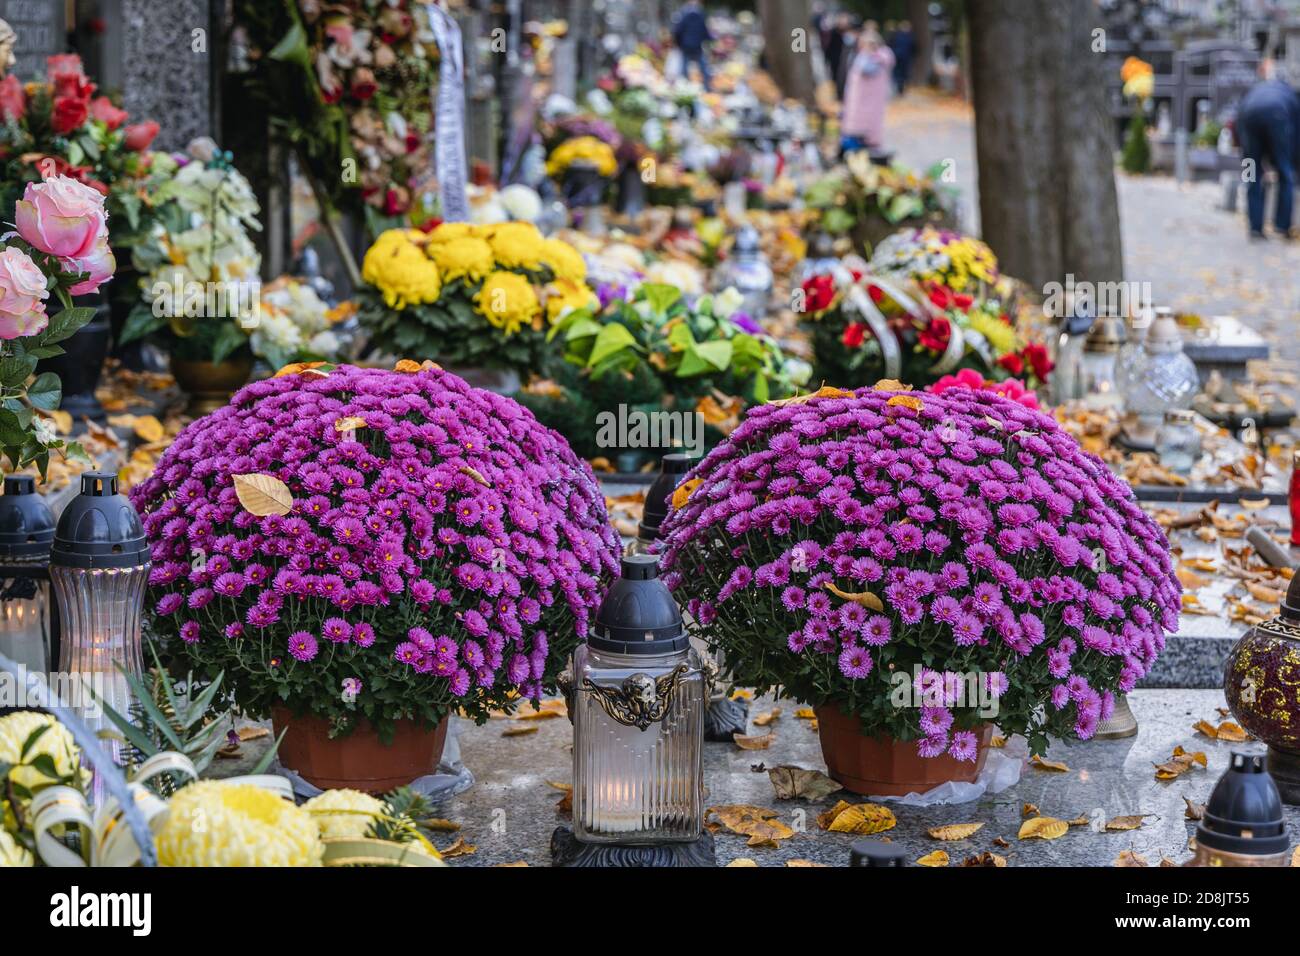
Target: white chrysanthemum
<point>56,743</point>
<point>676,273</point>
<point>521,202</point>
<point>12,853</point>
<point>343,813</point>
<point>213,823</point>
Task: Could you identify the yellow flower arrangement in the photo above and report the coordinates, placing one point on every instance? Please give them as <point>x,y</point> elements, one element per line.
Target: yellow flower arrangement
<point>397,266</point>
<point>508,301</point>
<point>1139,78</point>
<point>211,823</point>
<point>517,245</point>
<point>12,853</point>
<point>582,149</point>
<point>56,743</point>
<point>344,813</point>
<point>565,295</point>
<point>451,231</point>
<point>464,258</point>
<point>1000,335</point>
<point>564,261</point>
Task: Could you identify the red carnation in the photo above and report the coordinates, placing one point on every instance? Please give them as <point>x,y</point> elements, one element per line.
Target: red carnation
<point>1012,362</point>
<point>1036,355</point>
<point>819,293</point>
<point>853,334</point>
<point>13,103</point>
<point>962,301</point>
<point>876,293</point>
<point>941,296</point>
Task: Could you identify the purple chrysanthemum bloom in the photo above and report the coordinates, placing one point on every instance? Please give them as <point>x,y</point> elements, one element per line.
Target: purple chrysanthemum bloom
<point>964,746</point>
<point>855,663</point>
<point>170,603</point>
<point>935,721</point>
<point>190,632</point>
<point>302,646</point>
<point>877,630</point>
<point>337,630</point>
<point>932,746</point>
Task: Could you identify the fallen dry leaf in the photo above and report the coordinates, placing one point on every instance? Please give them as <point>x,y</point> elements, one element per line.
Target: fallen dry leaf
<point>937,858</point>
<point>439,825</point>
<point>796,782</point>
<point>1054,765</point>
<point>805,713</point>
<point>742,861</point>
<point>753,741</point>
<point>459,848</point>
<point>955,831</point>
<point>804,864</point>
<point>1179,763</point>
<point>1226,730</point>
<point>767,717</point>
<point>987,858</point>
<point>998,741</point>
<point>865,598</point>
<point>1130,858</point>
<point>1044,828</point>
<point>349,423</point>
<point>758,823</point>
<point>253,733</point>
<point>1029,810</point>
<point>263,495</point>
<point>1194,811</point>
<point>1001,841</point>
<point>863,819</point>
<point>1130,822</point>
<point>520,731</point>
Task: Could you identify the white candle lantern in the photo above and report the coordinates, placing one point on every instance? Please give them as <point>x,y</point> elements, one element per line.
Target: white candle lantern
<point>27,633</point>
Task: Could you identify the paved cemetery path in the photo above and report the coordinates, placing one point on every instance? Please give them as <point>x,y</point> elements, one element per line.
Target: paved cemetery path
<point>1195,255</point>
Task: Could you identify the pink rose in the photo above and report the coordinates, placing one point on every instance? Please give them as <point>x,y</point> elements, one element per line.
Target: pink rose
<point>100,265</point>
<point>102,108</point>
<point>62,217</point>
<point>13,101</point>
<point>22,287</point>
<point>140,135</point>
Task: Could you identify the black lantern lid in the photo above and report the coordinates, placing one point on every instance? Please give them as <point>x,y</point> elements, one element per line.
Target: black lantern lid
<point>99,528</point>
<point>672,468</point>
<point>1244,812</point>
<point>639,615</point>
<point>877,853</point>
<point>26,521</point>
<point>1291,603</point>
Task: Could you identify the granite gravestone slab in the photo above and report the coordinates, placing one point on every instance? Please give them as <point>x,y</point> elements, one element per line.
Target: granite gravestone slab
<point>40,30</point>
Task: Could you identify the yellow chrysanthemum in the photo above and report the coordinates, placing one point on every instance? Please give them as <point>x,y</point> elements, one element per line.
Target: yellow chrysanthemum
<point>399,269</point>
<point>211,823</point>
<point>343,813</point>
<point>451,231</point>
<point>564,296</point>
<point>587,149</point>
<point>55,743</point>
<point>12,853</point>
<point>564,261</point>
<point>1000,335</point>
<point>508,301</point>
<point>517,245</point>
<point>467,258</point>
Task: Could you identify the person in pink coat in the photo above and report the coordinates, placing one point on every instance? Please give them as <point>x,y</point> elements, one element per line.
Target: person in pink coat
<point>866,93</point>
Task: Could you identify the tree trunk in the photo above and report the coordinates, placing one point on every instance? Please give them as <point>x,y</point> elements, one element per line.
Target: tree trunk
<point>788,55</point>
<point>918,11</point>
<point>1048,204</point>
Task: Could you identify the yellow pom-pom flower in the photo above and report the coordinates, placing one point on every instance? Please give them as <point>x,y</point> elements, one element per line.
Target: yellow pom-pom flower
<point>587,149</point>
<point>344,813</point>
<point>12,853</point>
<point>564,261</point>
<point>508,301</point>
<point>211,823</point>
<point>1000,335</point>
<point>451,231</point>
<point>563,296</point>
<point>397,266</point>
<point>464,258</point>
<point>517,245</point>
<point>56,743</point>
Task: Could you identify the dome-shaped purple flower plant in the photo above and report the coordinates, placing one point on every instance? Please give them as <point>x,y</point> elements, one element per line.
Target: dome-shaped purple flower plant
<point>886,551</point>
<point>446,553</point>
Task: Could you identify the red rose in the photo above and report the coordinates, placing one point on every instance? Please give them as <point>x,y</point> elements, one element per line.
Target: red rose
<point>363,85</point>
<point>13,103</point>
<point>140,135</point>
<point>1036,355</point>
<point>70,112</point>
<point>935,336</point>
<point>940,296</point>
<point>1012,363</point>
<point>102,109</point>
<point>876,293</point>
<point>819,293</point>
<point>963,302</point>
<point>853,334</point>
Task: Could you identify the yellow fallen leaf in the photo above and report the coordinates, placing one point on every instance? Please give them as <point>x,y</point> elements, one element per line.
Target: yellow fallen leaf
<point>1227,730</point>
<point>861,818</point>
<point>263,495</point>
<point>459,848</point>
<point>294,368</point>
<point>1130,822</point>
<point>682,493</point>
<point>1130,858</point>
<point>1029,810</point>
<point>62,420</point>
<point>865,598</point>
<point>742,693</point>
<point>907,401</point>
<point>955,831</point>
<point>1253,504</point>
<point>998,741</point>
<point>767,717</point>
<point>516,863</point>
<point>890,385</point>
<point>406,365</point>
<point>752,742</point>
<point>803,864</point>
<point>826,391</point>
<point>348,423</point>
<point>1041,764</point>
<point>252,733</point>
<point>937,858</point>
<point>758,823</point>
<point>520,731</point>
<point>474,474</point>
<point>1043,828</point>
<point>1189,578</point>
<point>805,713</point>
<point>439,825</point>
<point>742,861</point>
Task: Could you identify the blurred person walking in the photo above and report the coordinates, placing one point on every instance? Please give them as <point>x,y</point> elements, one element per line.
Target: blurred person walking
<point>691,34</point>
<point>903,44</point>
<point>866,93</point>
<point>1268,125</point>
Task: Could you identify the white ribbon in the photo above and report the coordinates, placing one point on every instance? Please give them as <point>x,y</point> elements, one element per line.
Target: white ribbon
<point>876,321</point>
<point>449,123</point>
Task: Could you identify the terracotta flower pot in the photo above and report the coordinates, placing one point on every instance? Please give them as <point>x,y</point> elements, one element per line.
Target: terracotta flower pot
<point>882,766</point>
<point>359,760</point>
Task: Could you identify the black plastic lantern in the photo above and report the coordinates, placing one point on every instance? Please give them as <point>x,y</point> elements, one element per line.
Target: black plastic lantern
<point>28,620</point>
<point>1243,823</point>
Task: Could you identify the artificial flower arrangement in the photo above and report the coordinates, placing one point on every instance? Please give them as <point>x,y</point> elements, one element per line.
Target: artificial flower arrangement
<point>60,246</point>
<point>200,244</point>
<point>351,83</point>
<point>657,351</point>
<point>295,325</point>
<point>867,202</point>
<point>379,546</point>
<point>846,546</point>
<point>248,821</point>
<point>468,296</point>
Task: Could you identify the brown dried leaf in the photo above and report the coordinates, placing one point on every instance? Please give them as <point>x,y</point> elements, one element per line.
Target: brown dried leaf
<point>467,470</point>
<point>757,823</point>
<point>804,864</point>
<point>1130,822</point>
<point>1053,765</point>
<point>1194,811</point>
<point>753,741</point>
<point>796,782</point>
<point>767,717</point>
<point>937,858</point>
<point>1179,763</point>
<point>349,423</point>
<point>1001,841</point>
<point>520,731</point>
<point>1043,828</point>
<point>406,365</point>
<point>863,819</point>
<point>1130,858</point>
<point>439,825</point>
<point>742,861</point>
<point>865,598</point>
<point>459,848</point>
<point>987,858</point>
<point>253,733</point>
<point>1253,504</point>
<point>1029,810</point>
<point>263,495</point>
<point>955,831</point>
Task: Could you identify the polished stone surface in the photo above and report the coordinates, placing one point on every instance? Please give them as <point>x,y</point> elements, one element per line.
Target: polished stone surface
<point>510,813</point>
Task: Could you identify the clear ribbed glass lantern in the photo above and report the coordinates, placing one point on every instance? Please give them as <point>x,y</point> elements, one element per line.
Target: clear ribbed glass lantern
<point>99,567</point>
<point>1097,385</point>
<point>1162,378</point>
<point>637,693</point>
<point>27,633</point>
<point>749,272</point>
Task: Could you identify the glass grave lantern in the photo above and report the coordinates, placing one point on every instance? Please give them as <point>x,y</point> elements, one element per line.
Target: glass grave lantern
<point>749,272</point>
<point>1160,378</point>
<point>99,566</point>
<point>28,627</point>
<point>636,692</point>
<point>1243,823</point>
<point>1097,385</point>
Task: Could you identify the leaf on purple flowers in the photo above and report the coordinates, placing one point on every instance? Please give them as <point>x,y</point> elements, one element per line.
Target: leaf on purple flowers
<point>263,495</point>
<point>865,598</point>
<point>467,470</point>
<point>349,423</point>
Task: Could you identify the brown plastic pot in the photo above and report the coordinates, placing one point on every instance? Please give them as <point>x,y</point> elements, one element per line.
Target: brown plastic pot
<point>883,766</point>
<point>359,760</point>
